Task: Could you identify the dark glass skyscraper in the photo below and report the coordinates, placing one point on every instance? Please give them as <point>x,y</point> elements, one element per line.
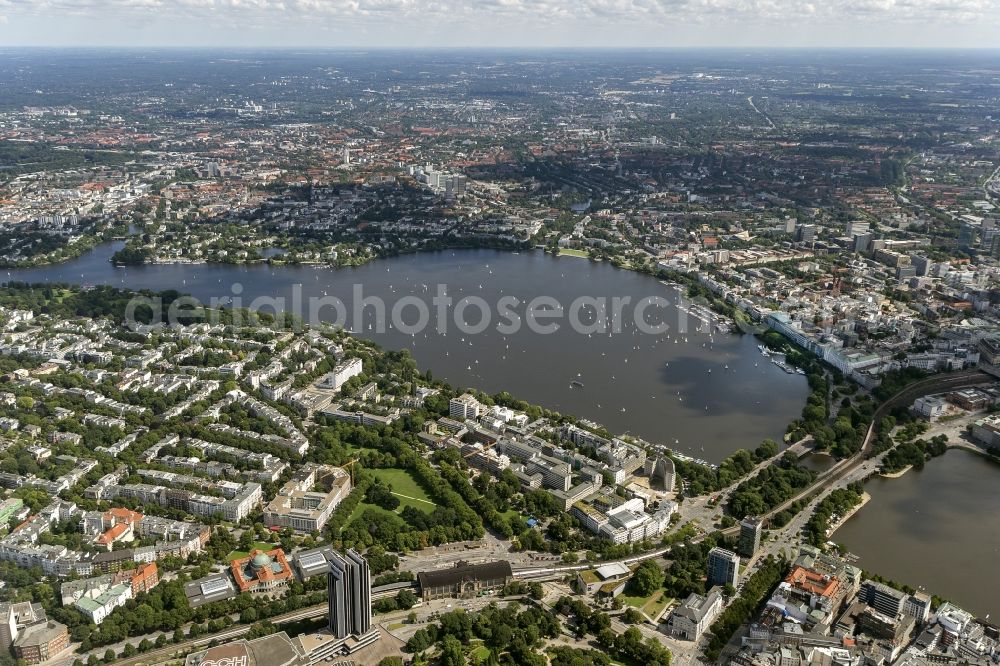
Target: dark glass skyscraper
<point>750,532</point>
<point>349,587</point>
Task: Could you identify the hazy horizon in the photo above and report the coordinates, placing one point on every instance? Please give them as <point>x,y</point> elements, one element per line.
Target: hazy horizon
<point>320,48</point>
<point>957,24</point>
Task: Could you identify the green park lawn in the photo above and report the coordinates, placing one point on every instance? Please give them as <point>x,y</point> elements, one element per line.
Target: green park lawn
<point>511,514</point>
<point>258,545</point>
<point>481,652</point>
<point>364,506</point>
<point>652,605</point>
<point>404,487</point>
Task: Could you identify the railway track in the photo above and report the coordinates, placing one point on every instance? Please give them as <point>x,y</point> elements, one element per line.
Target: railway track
<point>170,652</point>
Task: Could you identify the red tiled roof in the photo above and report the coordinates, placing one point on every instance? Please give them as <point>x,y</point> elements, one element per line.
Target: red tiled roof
<point>813,582</point>
<point>113,534</point>
<point>238,568</point>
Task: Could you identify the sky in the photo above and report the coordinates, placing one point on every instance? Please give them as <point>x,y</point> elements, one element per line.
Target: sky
<point>502,23</point>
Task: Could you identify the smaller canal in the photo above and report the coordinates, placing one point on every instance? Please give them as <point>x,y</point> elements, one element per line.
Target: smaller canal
<point>937,529</point>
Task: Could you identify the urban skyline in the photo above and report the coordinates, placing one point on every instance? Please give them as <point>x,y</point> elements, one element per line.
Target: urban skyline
<point>484,357</point>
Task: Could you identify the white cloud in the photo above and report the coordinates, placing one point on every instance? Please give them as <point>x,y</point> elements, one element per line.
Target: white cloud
<point>784,21</point>
<point>538,9</point>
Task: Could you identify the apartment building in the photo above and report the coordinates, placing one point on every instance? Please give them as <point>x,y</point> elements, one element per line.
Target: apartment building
<point>298,506</point>
<point>465,407</point>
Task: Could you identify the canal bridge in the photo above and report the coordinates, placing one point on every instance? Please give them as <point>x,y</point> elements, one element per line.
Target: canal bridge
<point>938,383</point>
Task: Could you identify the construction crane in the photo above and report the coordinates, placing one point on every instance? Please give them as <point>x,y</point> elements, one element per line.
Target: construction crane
<point>351,465</point>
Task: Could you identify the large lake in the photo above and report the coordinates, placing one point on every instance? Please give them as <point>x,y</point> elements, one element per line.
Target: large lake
<point>701,392</point>
<point>938,528</point>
